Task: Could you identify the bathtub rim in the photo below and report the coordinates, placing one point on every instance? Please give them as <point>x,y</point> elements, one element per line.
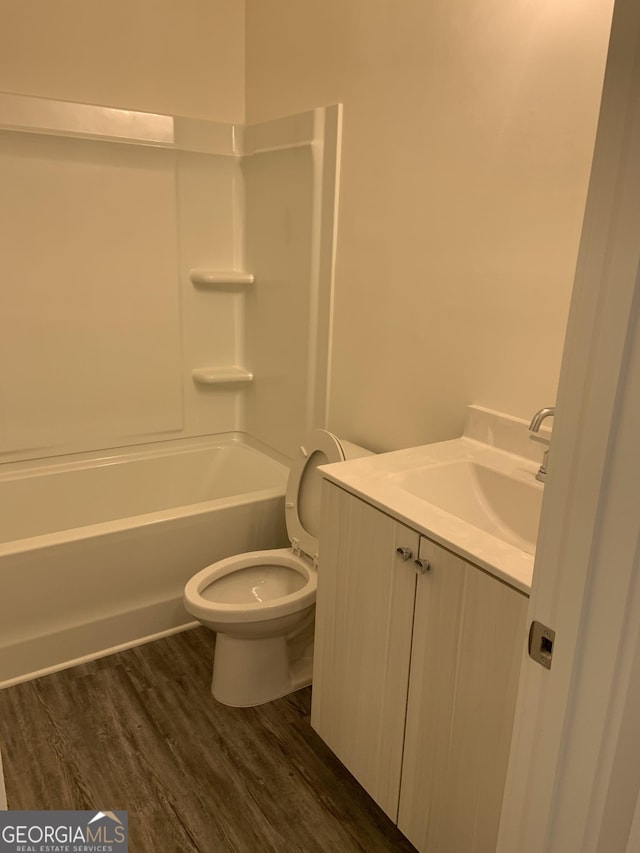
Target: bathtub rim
<point>104,528</point>
<point>38,466</point>
<point>133,453</point>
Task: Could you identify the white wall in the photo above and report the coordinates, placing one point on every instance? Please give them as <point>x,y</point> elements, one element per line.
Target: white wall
<point>180,57</point>
<point>468,133</point>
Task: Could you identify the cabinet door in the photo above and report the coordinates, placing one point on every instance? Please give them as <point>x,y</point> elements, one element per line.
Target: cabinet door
<point>467,648</point>
<point>364,614</point>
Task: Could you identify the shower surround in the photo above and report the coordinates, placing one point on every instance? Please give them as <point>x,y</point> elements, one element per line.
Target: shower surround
<point>165,281</point>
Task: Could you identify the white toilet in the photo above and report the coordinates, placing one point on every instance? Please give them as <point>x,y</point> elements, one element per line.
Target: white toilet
<point>261,604</point>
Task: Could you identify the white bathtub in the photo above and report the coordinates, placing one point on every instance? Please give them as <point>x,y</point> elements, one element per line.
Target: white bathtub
<point>94,552</point>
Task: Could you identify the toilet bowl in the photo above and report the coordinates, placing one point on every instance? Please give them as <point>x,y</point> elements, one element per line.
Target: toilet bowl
<point>261,604</point>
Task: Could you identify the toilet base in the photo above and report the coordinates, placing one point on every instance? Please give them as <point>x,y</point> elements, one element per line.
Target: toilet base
<point>249,672</point>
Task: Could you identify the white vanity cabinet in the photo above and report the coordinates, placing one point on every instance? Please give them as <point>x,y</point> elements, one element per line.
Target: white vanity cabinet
<point>415,674</point>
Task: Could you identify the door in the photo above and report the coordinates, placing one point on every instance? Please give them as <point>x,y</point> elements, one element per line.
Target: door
<point>574,775</point>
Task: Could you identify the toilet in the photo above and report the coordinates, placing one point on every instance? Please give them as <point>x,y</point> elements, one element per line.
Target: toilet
<point>262,604</point>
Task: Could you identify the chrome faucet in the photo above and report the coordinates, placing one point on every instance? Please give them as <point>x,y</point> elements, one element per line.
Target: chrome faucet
<point>534,426</point>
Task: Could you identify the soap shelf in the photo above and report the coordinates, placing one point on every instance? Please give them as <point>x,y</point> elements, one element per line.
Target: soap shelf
<point>220,278</point>
<point>221,375</point>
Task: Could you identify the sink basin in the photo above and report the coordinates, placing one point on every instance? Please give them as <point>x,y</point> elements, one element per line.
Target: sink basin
<point>484,497</point>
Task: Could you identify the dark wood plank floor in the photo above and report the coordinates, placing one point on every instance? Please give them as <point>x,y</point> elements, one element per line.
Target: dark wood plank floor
<point>140,731</point>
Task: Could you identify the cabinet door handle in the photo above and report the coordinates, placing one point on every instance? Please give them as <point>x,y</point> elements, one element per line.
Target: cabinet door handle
<point>404,553</point>
<point>422,566</point>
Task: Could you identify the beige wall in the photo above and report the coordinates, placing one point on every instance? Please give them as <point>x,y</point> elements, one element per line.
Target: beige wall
<point>468,132</point>
<point>181,57</point>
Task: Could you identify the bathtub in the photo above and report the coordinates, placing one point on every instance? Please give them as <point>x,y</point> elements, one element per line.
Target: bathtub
<point>95,550</point>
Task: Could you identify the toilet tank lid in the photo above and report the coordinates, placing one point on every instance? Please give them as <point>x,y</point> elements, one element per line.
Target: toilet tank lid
<point>304,489</point>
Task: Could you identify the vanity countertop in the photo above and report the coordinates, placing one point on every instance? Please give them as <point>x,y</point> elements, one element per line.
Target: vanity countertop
<point>387,481</point>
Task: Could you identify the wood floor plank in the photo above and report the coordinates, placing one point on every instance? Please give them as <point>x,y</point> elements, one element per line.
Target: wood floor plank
<point>140,731</point>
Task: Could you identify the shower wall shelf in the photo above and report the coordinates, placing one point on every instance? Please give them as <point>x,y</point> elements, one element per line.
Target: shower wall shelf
<point>221,278</point>
<point>221,375</point>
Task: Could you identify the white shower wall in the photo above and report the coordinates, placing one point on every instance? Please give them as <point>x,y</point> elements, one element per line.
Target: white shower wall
<point>210,228</point>
<point>101,325</point>
<point>291,173</point>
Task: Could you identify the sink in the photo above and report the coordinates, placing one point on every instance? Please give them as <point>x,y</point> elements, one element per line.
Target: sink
<point>487,498</point>
<point>476,495</point>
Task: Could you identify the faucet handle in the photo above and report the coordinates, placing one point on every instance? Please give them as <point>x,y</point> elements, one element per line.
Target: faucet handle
<point>534,427</point>
<point>536,420</point>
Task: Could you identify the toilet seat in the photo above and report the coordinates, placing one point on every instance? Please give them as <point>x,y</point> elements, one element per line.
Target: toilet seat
<point>201,605</point>
<point>303,497</point>
<point>302,510</point>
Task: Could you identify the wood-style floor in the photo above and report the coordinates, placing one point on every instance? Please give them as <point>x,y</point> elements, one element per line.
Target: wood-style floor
<point>140,731</point>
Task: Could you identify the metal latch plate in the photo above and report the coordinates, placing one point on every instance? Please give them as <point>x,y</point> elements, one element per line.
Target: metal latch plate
<point>541,640</point>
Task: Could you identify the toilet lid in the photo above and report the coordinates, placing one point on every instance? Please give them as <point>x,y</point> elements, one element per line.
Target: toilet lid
<point>302,505</point>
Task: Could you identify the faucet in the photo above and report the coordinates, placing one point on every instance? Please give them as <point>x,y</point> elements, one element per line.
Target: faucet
<point>534,426</point>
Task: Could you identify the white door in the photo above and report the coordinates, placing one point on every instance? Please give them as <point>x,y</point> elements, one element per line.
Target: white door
<point>574,777</point>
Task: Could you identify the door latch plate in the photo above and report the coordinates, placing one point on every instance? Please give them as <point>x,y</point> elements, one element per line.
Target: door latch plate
<point>541,640</point>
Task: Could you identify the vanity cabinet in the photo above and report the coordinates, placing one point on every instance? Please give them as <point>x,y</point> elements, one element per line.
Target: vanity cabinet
<point>415,674</point>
